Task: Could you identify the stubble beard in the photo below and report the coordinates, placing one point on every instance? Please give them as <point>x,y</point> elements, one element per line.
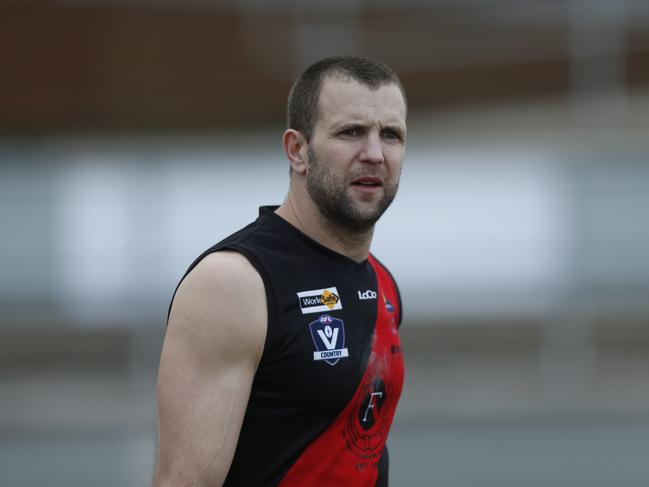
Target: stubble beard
<point>332,198</point>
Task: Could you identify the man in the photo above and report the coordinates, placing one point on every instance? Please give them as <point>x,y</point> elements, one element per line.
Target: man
<point>281,363</point>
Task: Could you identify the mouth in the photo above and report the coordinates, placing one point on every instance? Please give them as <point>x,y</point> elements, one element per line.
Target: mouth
<point>367,183</point>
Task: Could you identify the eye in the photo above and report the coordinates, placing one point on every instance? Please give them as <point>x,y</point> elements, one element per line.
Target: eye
<point>390,134</point>
<point>352,132</point>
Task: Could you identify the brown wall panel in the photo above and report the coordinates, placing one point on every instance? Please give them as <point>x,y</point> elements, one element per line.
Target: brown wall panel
<point>123,68</point>
<point>94,68</point>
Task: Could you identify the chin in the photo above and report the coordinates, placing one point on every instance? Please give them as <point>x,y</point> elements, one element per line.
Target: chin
<point>365,220</point>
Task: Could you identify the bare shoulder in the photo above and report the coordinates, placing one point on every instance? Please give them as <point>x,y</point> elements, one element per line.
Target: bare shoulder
<point>221,305</point>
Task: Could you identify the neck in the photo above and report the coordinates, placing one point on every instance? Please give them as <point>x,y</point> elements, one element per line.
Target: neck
<point>310,221</point>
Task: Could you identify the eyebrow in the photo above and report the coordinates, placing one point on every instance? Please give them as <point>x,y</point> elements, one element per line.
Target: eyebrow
<point>399,129</point>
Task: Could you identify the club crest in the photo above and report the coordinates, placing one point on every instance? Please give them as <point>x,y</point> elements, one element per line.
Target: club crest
<point>328,334</point>
<point>388,304</point>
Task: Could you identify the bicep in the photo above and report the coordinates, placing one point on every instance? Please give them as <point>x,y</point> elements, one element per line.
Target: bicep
<point>207,365</point>
<point>200,414</point>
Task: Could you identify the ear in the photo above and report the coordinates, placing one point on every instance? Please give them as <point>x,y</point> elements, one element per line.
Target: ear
<point>295,146</point>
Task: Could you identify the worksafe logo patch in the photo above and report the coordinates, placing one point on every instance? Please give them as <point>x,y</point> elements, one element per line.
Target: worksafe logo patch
<point>328,335</point>
<point>319,300</point>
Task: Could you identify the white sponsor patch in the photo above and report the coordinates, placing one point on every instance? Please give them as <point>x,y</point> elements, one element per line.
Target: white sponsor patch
<point>319,300</point>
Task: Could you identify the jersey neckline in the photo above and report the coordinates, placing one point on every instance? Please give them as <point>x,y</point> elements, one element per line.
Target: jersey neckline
<point>268,213</point>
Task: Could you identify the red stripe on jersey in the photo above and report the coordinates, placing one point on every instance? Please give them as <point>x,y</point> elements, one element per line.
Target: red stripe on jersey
<point>347,453</point>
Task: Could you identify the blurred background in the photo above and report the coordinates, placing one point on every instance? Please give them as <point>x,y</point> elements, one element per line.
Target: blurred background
<point>137,133</point>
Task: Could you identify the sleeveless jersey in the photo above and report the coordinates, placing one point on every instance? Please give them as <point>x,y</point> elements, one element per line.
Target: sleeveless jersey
<point>327,385</point>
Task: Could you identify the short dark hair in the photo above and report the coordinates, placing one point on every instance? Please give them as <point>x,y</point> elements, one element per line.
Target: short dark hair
<point>302,109</point>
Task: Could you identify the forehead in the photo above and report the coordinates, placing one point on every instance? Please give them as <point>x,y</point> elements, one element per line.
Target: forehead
<point>344,101</point>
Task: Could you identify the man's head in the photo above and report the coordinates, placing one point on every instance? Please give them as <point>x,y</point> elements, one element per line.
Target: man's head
<point>302,111</point>
<point>346,145</point>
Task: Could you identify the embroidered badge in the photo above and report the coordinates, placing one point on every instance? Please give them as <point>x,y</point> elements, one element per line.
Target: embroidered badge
<point>328,335</point>
<point>388,304</point>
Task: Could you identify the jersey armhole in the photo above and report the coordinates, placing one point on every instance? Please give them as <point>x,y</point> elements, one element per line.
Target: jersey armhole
<point>270,308</point>
<point>271,311</point>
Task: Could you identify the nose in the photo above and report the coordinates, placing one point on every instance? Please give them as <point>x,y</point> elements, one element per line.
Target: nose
<point>372,150</point>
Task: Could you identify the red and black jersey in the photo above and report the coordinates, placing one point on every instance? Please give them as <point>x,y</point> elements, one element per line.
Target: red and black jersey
<point>331,373</point>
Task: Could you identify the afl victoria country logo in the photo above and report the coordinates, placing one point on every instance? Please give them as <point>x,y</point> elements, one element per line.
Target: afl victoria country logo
<point>328,334</point>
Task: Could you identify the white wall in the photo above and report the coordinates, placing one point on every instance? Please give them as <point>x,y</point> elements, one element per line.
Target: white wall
<point>476,229</point>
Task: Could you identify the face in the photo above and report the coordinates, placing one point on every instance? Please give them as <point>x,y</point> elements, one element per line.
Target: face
<point>356,152</point>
